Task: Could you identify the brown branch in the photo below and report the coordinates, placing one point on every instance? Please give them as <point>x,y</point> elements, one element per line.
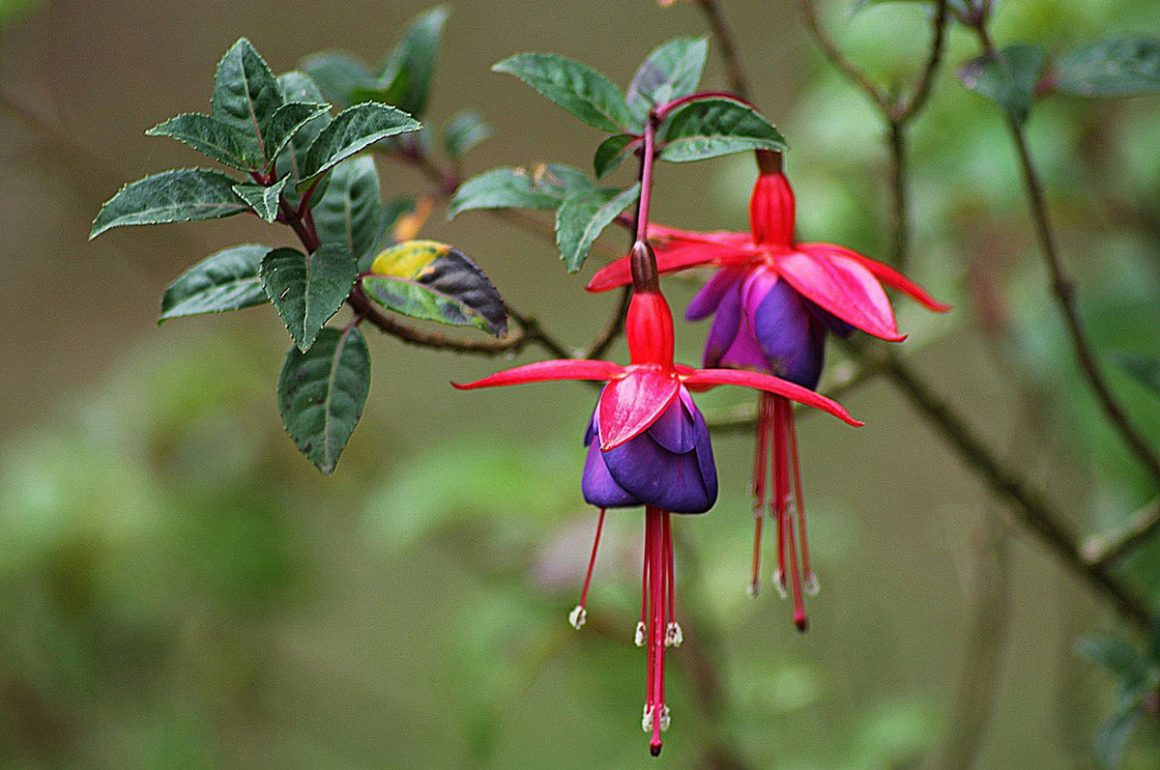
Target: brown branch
<point>1032,508</point>
<point>613,329</point>
<point>839,59</point>
<point>1107,549</point>
<point>723,34</point>
<point>1063,290</point>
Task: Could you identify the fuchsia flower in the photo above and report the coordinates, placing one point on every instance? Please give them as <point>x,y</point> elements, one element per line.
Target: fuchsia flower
<point>648,445</point>
<point>773,300</point>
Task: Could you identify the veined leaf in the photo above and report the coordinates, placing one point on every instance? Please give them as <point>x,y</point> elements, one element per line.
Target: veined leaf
<point>583,216</point>
<point>1121,67</point>
<point>1007,78</point>
<point>350,212</point>
<point>207,135</point>
<point>406,75</point>
<point>308,290</point>
<point>671,71</point>
<point>178,195</point>
<point>337,75</point>
<point>612,152</point>
<point>708,128</point>
<point>462,132</point>
<point>298,87</point>
<point>227,280</point>
<point>262,199</point>
<point>576,87</point>
<point>286,122</point>
<point>435,282</point>
<point>353,130</point>
<point>321,394</point>
<point>544,187</point>
<point>245,96</point>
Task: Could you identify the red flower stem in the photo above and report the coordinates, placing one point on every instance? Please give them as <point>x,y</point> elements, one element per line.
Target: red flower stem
<point>655,544</point>
<point>777,503</point>
<point>799,495</point>
<point>664,110</point>
<point>592,559</point>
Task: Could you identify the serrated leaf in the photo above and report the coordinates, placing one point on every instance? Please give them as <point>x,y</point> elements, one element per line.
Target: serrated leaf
<point>208,136</point>
<point>299,87</point>
<point>405,78</point>
<point>464,131</point>
<point>576,87</point>
<point>353,130</point>
<point>1120,67</point>
<point>308,290</point>
<point>435,282</point>
<point>708,128</point>
<point>321,394</point>
<point>337,75</point>
<point>1007,78</point>
<point>262,199</point>
<point>227,280</point>
<point>286,121</point>
<point>583,216</point>
<point>1144,369</point>
<point>245,96</point>
<point>510,187</point>
<point>612,152</point>
<point>1113,736</point>
<point>349,213</point>
<point>177,195</point>
<point>671,71</point>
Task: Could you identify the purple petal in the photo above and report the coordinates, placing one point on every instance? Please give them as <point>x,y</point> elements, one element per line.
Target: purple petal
<point>709,297</point>
<point>598,486</point>
<point>674,429</point>
<point>832,322</point>
<point>792,339</point>
<point>726,321</point>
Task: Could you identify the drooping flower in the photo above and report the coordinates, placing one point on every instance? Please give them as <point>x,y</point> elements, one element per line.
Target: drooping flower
<point>648,446</point>
<point>773,300</point>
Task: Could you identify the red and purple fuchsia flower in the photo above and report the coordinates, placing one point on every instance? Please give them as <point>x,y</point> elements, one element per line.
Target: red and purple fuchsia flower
<point>773,300</point>
<point>648,445</point>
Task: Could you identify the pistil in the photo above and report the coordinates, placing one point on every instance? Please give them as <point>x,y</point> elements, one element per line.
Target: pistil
<point>579,615</point>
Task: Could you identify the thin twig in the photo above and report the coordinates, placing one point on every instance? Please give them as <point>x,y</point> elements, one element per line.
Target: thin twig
<point>1063,290</point>
<point>715,18</point>
<point>1107,549</point>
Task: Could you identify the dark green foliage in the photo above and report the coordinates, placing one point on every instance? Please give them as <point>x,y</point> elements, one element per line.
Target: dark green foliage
<point>583,216</point>
<point>227,280</point>
<point>708,128</point>
<point>575,86</point>
<point>462,132</point>
<point>612,152</point>
<point>1120,67</point>
<point>308,289</point>
<point>545,187</point>
<point>1007,78</point>
<point>353,130</point>
<point>180,195</point>
<point>671,71</point>
<point>321,394</point>
<point>261,198</point>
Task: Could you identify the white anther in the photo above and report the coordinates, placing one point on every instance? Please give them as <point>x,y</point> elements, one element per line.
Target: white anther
<point>665,718</point>
<point>779,583</point>
<point>578,617</point>
<point>673,635</point>
<point>812,586</point>
<point>646,719</point>
<point>638,638</point>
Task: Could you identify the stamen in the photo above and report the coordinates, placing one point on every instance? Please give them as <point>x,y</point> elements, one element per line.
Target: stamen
<point>810,578</point>
<point>638,639</point>
<point>674,635</point>
<point>579,615</point>
<point>799,610</point>
<point>777,504</point>
<point>764,418</point>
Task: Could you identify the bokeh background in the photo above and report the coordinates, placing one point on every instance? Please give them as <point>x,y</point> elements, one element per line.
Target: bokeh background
<point>180,589</point>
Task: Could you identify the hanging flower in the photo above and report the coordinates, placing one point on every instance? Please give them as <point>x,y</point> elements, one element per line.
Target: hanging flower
<point>648,446</point>
<point>772,301</point>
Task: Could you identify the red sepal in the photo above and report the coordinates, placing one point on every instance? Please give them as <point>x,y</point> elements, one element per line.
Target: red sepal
<point>844,288</point>
<point>884,273</point>
<point>747,379</point>
<point>545,371</point>
<point>630,405</point>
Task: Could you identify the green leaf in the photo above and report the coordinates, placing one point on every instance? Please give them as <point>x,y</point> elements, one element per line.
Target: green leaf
<point>1144,369</point>
<point>406,75</point>
<point>392,212</point>
<point>612,152</point>
<point>227,280</point>
<point>1007,78</point>
<point>576,87</point>
<point>464,131</point>
<point>286,121</point>
<point>308,290</point>
<point>1117,656</point>
<point>1112,738</point>
<point>353,130</point>
<point>583,216</point>
<point>708,128</point>
<point>670,72</point>
<point>321,394</point>
<point>298,87</point>
<point>337,75</point>
<point>517,188</point>
<point>245,96</point>
<point>435,282</point>
<point>177,195</point>
<point>1121,67</point>
<point>208,136</point>
<point>262,199</point>
<point>349,213</point>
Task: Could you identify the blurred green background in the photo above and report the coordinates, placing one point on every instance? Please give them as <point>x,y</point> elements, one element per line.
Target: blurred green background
<point>179,589</point>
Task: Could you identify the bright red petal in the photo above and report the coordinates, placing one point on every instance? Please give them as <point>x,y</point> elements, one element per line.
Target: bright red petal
<point>884,273</point>
<point>629,406</point>
<point>662,235</point>
<point>844,288</point>
<point>775,385</point>
<point>678,250</point>
<point>544,371</point>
